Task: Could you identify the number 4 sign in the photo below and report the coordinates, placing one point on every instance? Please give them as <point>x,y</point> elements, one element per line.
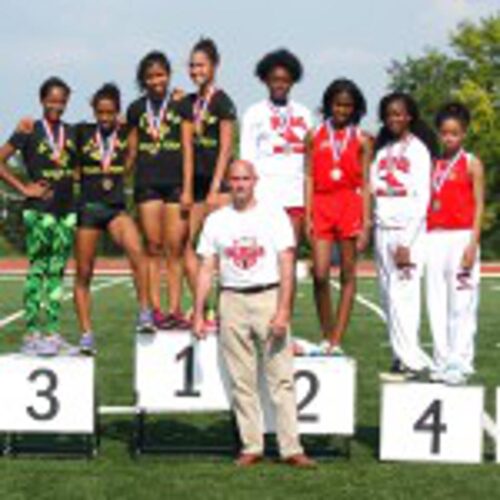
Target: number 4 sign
<point>46,395</point>
<point>431,422</point>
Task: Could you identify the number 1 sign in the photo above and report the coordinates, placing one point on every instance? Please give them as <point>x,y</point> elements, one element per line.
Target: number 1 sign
<point>431,422</point>
<point>44,395</point>
<point>174,373</point>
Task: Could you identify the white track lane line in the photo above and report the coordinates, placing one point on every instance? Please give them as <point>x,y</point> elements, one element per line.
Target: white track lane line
<point>101,286</point>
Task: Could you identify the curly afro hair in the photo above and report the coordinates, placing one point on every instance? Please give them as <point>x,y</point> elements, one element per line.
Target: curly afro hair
<point>340,86</point>
<point>282,58</point>
<point>453,111</point>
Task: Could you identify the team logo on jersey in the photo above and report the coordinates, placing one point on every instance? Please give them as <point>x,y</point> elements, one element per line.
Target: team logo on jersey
<point>387,173</point>
<point>245,252</point>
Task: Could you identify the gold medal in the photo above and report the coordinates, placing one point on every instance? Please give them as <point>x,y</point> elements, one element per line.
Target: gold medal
<point>107,183</point>
<point>436,205</point>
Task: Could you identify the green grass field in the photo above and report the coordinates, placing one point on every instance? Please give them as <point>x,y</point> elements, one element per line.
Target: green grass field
<point>115,475</point>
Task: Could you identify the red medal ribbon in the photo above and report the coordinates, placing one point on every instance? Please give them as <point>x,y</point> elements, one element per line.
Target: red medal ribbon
<point>200,108</point>
<point>155,119</point>
<point>56,145</point>
<point>107,148</point>
<point>443,170</point>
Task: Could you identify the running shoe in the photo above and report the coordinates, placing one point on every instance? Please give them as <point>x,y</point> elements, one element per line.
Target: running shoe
<point>146,322</point>
<point>50,345</point>
<point>31,343</point>
<point>454,375</point>
<point>177,321</point>
<point>87,344</point>
<point>158,319</point>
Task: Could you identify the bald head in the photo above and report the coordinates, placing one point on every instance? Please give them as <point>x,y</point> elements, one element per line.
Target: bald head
<point>242,179</point>
<point>242,167</point>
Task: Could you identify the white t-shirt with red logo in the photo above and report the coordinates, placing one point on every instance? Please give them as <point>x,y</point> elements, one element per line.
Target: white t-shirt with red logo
<point>273,139</point>
<point>247,244</point>
<point>400,181</point>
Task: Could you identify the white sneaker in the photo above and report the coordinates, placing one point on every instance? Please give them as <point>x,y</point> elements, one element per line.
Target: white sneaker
<point>454,375</point>
<point>437,375</point>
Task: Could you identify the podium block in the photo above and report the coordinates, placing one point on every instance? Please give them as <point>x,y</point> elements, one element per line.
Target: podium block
<point>326,395</point>
<point>431,423</point>
<point>47,395</point>
<point>174,373</point>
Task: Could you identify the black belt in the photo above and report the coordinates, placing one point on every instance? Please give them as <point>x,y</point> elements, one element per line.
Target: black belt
<point>251,289</point>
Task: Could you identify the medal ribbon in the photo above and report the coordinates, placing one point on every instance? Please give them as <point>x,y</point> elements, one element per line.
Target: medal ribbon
<point>200,108</point>
<point>156,119</point>
<point>441,175</point>
<point>284,119</point>
<point>106,148</point>
<point>338,147</point>
<point>56,145</point>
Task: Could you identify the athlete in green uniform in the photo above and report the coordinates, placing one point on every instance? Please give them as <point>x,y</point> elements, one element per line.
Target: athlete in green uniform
<point>48,153</point>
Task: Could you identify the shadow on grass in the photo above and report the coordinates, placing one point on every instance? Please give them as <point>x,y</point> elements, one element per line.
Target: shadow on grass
<point>176,435</point>
<point>369,436</point>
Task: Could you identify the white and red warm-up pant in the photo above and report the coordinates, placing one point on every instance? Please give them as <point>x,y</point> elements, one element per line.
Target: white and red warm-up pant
<point>400,291</point>
<point>452,298</point>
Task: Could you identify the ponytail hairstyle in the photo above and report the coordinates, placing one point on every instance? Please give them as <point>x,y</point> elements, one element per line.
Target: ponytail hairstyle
<point>417,126</point>
<point>209,48</point>
<point>108,91</point>
<point>453,111</point>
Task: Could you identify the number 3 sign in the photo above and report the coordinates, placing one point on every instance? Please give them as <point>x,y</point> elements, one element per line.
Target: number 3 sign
<point>431,422</point>
<point>46,395</point>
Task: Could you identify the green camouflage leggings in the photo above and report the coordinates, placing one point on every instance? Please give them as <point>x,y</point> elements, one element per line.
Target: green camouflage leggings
<point>49,240</point>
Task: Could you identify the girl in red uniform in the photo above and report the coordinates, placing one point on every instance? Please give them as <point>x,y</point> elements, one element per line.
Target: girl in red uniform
<point>340,154</point>
<point>454,230</point>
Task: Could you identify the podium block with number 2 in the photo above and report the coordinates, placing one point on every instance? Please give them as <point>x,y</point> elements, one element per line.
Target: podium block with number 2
<point>431,423</point>
<point>47,395</point>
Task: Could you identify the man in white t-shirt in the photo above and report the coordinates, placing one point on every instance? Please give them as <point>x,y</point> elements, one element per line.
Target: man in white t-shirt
<point>252,246</point>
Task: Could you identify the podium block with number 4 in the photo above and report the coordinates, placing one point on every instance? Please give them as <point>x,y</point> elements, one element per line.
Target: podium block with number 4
<point>431,423</point>
<point>47,395</point>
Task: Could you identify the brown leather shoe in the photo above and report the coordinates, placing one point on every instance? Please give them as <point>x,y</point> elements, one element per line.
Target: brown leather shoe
<point>247,460</point>
<point>300,460</point>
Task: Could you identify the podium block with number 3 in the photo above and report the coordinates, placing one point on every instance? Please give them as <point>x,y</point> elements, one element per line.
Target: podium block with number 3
<point>432,423</point>
<point>47,395</point>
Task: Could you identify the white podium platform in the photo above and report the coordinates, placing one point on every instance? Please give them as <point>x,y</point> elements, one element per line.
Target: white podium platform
<point>53,395</point>
<point>431,423</point>
<point>176,374</point>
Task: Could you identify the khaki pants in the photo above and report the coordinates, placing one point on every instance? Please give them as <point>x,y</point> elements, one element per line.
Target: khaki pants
<point>245,337</point>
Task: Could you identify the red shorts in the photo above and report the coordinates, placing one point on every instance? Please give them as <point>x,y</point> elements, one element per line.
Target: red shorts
<point>296,213</point>
<point>337,216</point>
